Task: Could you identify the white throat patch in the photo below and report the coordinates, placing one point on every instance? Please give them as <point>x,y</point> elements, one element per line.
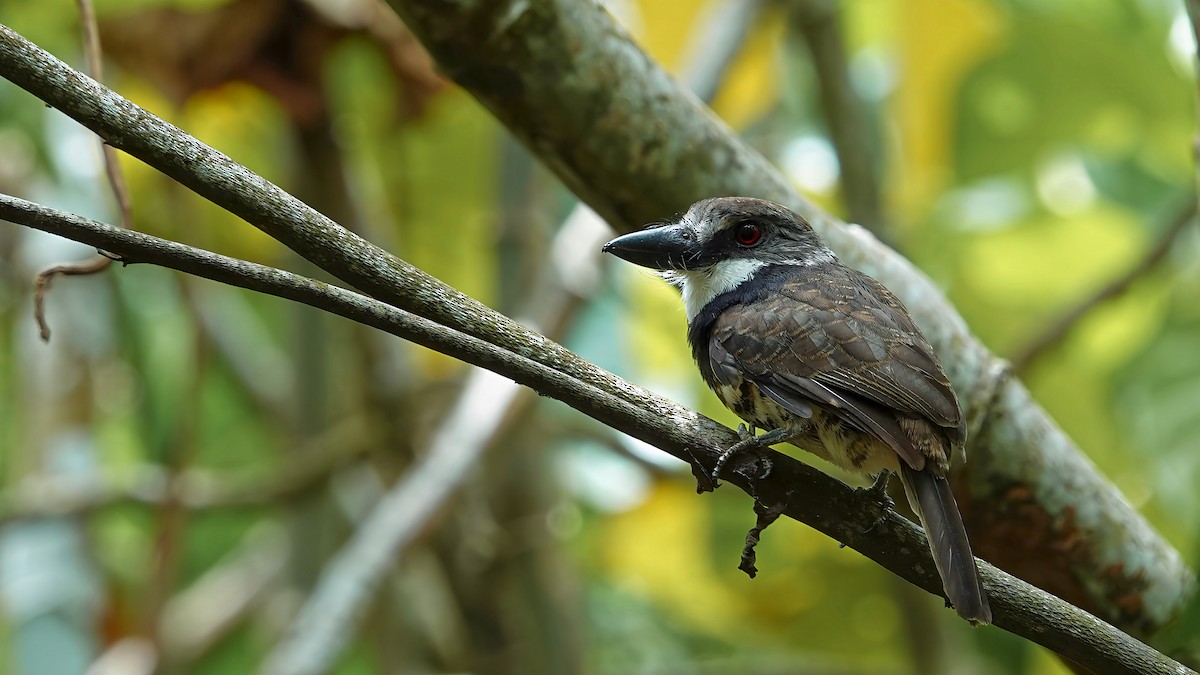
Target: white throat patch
<point>701,286</point>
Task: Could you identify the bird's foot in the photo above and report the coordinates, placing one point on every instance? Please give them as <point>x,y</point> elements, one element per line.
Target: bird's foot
<point>878,490</point>
<point>878,495</point>
<point>749,440</point>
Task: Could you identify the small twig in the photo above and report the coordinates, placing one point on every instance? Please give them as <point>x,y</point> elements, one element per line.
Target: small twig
<point>1059,330</point>
<point>95,62</point>
<point>116,180</point>
<point>766,514</point>
<point>44,279</point>
<point>91,39</point>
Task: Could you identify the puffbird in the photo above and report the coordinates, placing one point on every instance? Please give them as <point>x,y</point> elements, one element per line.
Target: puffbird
<point>819,355</point>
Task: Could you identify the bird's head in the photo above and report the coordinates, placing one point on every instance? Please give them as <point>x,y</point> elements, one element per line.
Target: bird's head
<point>721,243</point>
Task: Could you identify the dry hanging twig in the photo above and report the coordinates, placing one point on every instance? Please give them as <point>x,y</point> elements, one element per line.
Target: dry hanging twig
<point>116,180</point>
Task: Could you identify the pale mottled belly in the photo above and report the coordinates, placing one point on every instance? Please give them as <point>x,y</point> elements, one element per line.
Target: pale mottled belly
<point>823,435</point>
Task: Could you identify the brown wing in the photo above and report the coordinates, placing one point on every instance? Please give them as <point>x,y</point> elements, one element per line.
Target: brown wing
<point>844,342</point>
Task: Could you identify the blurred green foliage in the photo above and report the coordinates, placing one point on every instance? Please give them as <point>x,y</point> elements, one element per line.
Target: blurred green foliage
<point>1032,152</point>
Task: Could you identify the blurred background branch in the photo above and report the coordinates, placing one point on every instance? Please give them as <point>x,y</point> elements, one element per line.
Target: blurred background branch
<point>1058,330</point>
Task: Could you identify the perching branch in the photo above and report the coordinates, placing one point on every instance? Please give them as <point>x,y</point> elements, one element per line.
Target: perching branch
<point>775,480</point>
<point>226,183</point>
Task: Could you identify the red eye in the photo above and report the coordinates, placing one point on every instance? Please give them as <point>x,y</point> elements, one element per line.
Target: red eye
<point>747,234</point>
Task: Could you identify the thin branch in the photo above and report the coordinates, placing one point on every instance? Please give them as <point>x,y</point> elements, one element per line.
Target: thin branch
<point>799,491</point>
<point>95,61</point>
<point>1056,332</point>
<point>344,254</point>
<point>116,180</point>
<point>44,279</point>
<point>91,39</point>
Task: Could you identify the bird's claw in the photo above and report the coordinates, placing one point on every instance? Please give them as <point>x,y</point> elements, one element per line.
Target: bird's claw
<point>745,432</point>
<point>748,440</point>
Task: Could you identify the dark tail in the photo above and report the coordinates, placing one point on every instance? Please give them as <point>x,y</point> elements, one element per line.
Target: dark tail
<point>931,498</point>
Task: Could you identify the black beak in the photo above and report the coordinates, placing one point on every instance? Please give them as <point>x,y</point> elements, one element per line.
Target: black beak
<point>669,247</point>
